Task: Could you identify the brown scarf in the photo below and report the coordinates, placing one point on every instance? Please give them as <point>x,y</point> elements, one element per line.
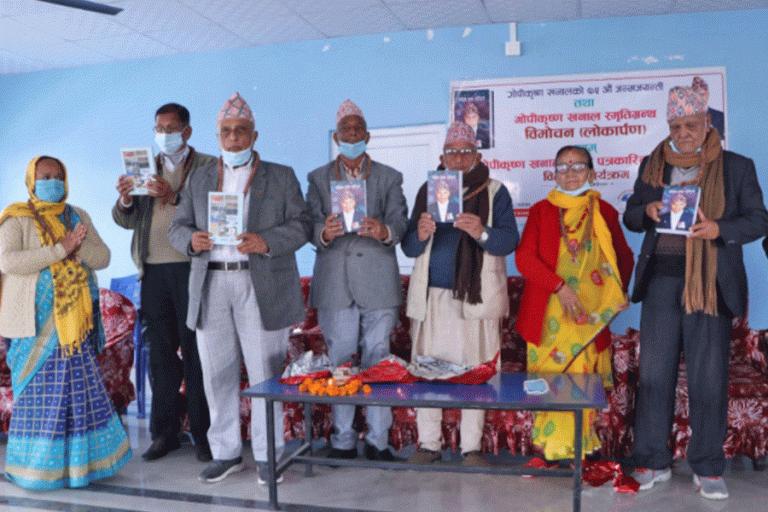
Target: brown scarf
<point>700,293</point>
<point>254,166</point>
<point>469,254</point>
<point>185,172</point>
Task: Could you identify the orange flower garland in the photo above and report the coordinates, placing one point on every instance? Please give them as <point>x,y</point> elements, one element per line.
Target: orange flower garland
<point>332,387</point>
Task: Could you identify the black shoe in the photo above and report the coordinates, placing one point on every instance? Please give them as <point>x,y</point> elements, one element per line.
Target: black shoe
<point>337,453</point>
<point>161,447</point>
<point>203,452</point>
<point>373,453</point>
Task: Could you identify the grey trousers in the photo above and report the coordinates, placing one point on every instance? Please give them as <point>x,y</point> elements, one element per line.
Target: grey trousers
<point>351,333</point>
<point>230,333</point>
<point>665,329</point>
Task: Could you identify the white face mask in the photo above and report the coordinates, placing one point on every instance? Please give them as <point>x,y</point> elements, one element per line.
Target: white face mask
<point>573,193</point>
<point>236,159</point>
<point>169,143</point>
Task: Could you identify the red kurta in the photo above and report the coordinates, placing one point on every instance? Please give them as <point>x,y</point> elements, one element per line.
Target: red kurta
<point>536,260</point>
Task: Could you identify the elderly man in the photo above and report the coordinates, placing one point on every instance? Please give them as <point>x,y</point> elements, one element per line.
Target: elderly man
<point>472,119</point>
<point>243,298</point>
<point>691,288</point>
<point>356,281</point>
<point>458,290</point>
<point>164,273</point>
<point>679,216</point>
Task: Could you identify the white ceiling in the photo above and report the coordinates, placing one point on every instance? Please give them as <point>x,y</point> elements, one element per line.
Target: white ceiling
<point>38,36</point>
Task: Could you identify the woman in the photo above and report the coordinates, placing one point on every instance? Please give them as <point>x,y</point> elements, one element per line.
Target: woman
<point>64,430</point>
<point>577,267</point>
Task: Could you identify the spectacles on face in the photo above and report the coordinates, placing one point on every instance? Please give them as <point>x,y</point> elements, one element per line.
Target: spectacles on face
<point>463,152</point>
<point>577,167</point>
<point>238,131</point>
<point>169,129</point>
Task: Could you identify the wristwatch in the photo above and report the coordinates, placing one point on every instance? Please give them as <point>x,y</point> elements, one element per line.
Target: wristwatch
<point>483,237</point>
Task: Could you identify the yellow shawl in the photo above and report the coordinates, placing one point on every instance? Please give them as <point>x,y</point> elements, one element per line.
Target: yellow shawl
<point>72,304</point>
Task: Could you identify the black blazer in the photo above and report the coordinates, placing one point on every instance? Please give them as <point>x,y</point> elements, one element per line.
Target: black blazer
<point>744,220</point>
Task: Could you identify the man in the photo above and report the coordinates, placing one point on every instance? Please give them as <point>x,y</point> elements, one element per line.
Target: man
<point>164,274</point>
<point>356,284</point>
<point>472,119</point>
<point>443,209</point>
<point>349,212</point>
<point>691,288</point>
<point>458,290</point>
<point>242,298</point>
<point>679,216</point>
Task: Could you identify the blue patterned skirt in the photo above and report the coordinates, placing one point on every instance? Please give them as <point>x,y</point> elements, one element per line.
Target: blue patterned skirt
<point>64,431</point>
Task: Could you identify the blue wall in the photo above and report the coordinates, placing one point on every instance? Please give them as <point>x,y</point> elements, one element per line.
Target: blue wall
<point>84,115</point>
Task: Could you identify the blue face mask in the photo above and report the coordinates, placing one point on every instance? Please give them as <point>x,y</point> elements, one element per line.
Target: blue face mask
<point>573,193</point>
<point>674,148</point>
<point>50,191</point>
<point>236,159</point>
<point>352,151</point>
<point>169,143</point>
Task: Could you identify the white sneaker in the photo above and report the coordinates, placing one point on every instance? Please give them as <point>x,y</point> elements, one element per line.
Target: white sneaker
<point>647,477</point>
<point>711,487</point>
<point>263,473</point>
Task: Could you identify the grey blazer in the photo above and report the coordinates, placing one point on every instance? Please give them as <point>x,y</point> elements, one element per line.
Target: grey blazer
<point>278,213</point>
<point>353,268</point>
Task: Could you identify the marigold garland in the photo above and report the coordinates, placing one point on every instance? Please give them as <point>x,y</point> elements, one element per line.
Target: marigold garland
<point>332,387</point>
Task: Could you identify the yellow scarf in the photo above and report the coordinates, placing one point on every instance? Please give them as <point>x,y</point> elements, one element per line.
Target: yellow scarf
<point>73,308</point>
<point>592,273</point>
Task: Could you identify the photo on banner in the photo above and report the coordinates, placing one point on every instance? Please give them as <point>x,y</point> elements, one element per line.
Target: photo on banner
<point>619,117</point>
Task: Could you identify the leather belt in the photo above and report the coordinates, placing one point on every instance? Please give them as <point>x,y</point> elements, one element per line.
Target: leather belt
<point>227,265</point>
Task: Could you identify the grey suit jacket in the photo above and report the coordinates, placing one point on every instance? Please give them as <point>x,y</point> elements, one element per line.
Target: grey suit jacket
<point>353,268</point>
<point>278,213</point>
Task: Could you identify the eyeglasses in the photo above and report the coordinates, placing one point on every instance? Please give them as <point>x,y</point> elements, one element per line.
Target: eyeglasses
<point>169,129</point>
<point>575,167</point>
<point>459,152</point>
<point>238,131</point>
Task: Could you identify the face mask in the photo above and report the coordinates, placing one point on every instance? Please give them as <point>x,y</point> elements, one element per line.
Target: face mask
<point>50,191</point>
<point>169,143</point>
<point>236,159</point>
<point>352,151</point>
<point>674,148</point>
<point>573,193</point>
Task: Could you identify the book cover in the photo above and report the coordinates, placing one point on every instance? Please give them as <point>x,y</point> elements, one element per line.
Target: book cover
<point>348,200</point>
<point>225,217</point>
<point>444,190</point>
<point>139,165</point>
<point>679,211</point>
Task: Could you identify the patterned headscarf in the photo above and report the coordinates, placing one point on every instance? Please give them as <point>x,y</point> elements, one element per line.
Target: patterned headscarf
<point>686,101</point>
<point>460,132</point>
<point>348,109</point>
<point>72,304</point>
<point>235,108</point>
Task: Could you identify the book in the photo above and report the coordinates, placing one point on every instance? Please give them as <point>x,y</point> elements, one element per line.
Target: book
<point>139,165</point>
<point>225,217</point>
<point>444,190</point>
<point>348,201</point>
<point>678,213</point>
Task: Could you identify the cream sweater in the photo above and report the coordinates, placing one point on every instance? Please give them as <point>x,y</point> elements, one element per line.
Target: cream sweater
<point>21,260</point>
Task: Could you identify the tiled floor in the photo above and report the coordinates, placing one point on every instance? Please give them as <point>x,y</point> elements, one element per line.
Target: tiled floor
<point>171,484</point>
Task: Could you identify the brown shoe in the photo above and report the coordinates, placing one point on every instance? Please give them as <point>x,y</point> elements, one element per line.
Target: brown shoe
<point>474,459</point>
<point>423,456</point>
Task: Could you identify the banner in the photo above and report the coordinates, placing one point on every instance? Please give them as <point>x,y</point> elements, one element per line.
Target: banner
<point>619,117</point>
